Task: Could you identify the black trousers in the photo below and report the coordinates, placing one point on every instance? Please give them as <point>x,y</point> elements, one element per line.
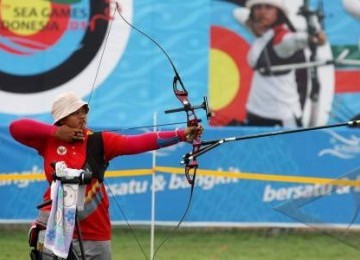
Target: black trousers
<point>255,120</point>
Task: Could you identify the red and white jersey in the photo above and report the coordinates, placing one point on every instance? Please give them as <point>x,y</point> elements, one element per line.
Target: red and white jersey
<point>95,219</point>
<point>275,95</point>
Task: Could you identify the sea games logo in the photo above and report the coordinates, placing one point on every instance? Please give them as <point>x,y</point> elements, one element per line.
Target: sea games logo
<point>51,46</point>
<point>342,147</point>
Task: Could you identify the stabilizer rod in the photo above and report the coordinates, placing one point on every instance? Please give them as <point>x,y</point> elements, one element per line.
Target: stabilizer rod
<point>209,145</point>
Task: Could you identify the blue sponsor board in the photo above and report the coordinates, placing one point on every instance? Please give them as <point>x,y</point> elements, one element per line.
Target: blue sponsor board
<point>247,198</point>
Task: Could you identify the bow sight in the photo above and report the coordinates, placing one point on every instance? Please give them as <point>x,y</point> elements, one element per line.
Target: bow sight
<point>187,107</point>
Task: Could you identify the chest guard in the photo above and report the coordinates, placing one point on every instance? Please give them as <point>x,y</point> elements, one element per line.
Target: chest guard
<point>95,160</point>
<point>269,58</point>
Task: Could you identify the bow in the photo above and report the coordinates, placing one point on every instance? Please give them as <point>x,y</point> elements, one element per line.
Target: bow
<point>313,19</point>
<point>192,120</point>
<point>182,95</point>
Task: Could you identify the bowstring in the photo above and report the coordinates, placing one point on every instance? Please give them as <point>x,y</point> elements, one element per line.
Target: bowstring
<point>177,77</point>
<point>117,8</point>
<point>127,221</point>
<point>101,56</point>
<point>89,100</point>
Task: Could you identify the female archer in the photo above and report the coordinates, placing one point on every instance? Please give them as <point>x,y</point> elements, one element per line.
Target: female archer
<point>70,141</point>
<point>274,98</point>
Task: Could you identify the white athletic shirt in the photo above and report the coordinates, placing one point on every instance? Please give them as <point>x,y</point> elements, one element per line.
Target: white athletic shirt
<point>276,96</point>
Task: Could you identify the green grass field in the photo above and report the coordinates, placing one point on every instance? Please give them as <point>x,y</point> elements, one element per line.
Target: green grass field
<point>209,244</point>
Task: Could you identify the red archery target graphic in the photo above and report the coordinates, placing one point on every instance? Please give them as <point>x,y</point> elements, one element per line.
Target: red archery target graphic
<point>230,76</point>
<point>48,47</point>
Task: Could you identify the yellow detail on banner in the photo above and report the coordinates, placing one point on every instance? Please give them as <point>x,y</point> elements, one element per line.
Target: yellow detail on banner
<point>128,173</point>
<point>22,177</point>
<point>263,177</point>
<point>174,170</point>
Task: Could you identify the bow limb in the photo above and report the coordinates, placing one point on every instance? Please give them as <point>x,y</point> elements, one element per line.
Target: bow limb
<point>313,21</point>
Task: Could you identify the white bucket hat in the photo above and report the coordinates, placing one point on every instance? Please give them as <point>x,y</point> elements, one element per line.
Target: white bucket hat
<point>65,104</point>
<point>277,3</point>
<point>352,7</point>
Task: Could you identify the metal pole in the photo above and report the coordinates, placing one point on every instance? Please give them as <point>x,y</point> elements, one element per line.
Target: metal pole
<point>152,231</point>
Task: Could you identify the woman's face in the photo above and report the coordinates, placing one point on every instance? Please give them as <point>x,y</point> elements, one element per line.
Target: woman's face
<point>76,119</point>
<point>264,15</point>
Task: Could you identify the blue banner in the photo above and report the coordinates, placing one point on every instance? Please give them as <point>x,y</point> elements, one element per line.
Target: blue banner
<point>252,182</point>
